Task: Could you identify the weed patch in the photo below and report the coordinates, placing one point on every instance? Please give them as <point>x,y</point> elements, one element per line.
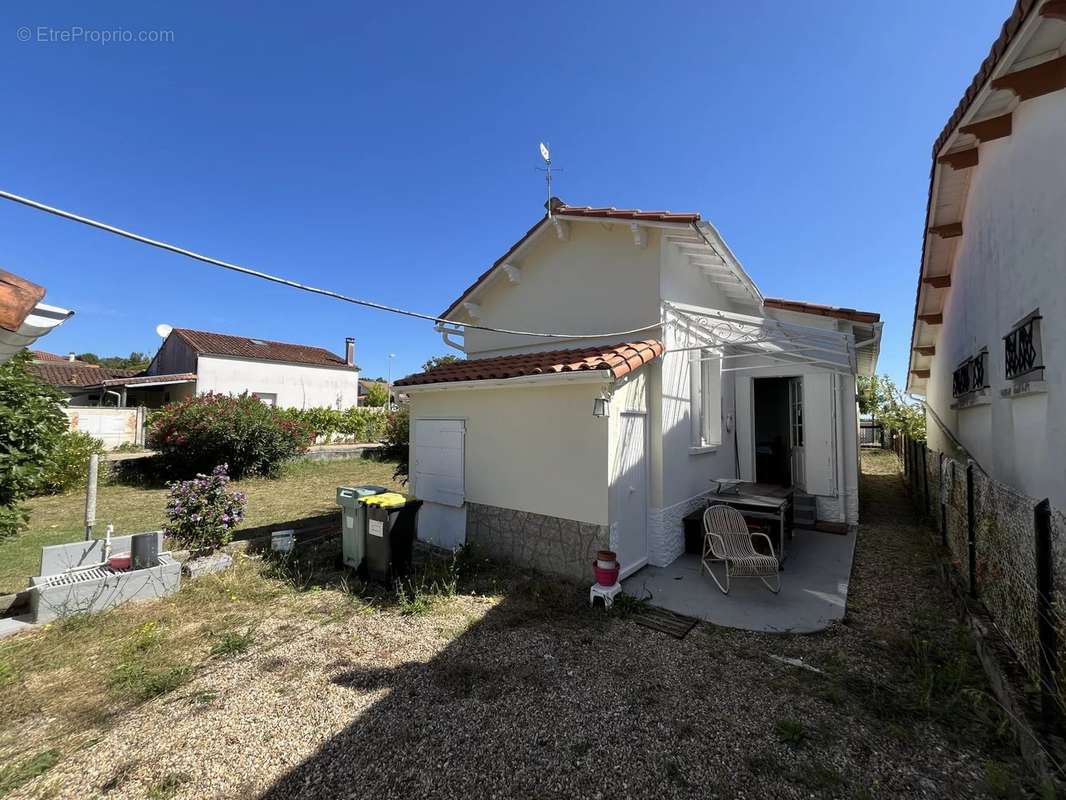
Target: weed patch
<point>168,785</point>
<point>790,732</point>
<point>16,775</point>
<point>144,682</point>
<point>233,643</point>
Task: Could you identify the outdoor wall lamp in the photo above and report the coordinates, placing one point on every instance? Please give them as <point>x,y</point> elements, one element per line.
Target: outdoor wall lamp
<point>600,405</point>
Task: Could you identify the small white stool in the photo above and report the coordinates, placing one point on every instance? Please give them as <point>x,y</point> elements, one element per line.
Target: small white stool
<point>607,593</point>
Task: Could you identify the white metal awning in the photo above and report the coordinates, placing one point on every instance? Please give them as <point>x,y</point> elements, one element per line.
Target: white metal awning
<point>743,342</point>
<point>40,321</point>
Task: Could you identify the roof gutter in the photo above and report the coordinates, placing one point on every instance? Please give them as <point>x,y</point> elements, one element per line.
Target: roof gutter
<point>521,382</point>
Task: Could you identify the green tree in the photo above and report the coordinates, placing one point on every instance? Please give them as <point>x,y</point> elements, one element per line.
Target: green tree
<point>439,361</point>
<point>880,397</point>
<point>32,424</point>
<point>377,394</point>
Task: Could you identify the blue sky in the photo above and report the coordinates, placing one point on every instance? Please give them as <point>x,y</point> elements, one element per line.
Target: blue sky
<point>390,151</point>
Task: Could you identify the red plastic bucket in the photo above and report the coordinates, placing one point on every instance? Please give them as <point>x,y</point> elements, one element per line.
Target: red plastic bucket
<point>605,577</point>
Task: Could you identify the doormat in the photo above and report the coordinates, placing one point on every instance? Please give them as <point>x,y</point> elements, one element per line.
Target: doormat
<point>659,619</point>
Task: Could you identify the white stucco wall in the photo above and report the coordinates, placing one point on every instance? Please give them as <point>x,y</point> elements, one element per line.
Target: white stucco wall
<point>1010,261</point>
<point>296,385</point>
<point>598,281</point>
<point>536,449</point>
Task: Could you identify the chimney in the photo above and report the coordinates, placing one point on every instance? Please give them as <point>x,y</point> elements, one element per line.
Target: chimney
<point>349,351</point>
<point>70,356</point>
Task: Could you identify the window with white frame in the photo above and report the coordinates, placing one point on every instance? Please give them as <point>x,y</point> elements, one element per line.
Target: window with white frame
<point>266,398</point>
<point>705,397</point>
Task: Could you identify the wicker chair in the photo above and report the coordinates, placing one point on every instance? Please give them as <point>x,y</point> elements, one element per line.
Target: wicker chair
<point>726,538</point>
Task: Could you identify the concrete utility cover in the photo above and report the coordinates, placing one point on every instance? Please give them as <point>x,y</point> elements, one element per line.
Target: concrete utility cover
<point>814,588</point>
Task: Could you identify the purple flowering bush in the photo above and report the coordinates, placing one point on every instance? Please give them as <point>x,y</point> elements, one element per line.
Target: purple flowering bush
<point>202,512</point>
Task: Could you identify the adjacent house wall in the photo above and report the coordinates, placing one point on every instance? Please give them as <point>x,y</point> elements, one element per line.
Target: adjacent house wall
<point>296,385</point>
<point>1010,261</point>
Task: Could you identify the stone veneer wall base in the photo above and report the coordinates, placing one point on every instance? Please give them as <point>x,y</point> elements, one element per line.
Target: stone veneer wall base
<point>666,530</point>
<point>549,544</point>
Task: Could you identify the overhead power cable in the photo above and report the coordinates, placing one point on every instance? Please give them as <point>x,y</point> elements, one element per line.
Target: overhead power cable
<point>181,251</point>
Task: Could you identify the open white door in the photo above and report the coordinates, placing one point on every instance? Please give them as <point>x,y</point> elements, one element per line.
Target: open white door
<point>438,479</point>
<point>819,438</point>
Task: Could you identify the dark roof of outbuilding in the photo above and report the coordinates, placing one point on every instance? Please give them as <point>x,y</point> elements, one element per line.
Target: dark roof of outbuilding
<point>224,344</point>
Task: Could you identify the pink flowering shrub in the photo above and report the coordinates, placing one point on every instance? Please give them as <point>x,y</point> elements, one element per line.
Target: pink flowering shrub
<point>202,513</point>
<point>196,434</point>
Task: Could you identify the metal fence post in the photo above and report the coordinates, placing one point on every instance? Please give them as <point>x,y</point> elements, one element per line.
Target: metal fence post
<point>1045,585</point>
<point>925,481</point>
<point>971,529</point>
<point>943,505</point>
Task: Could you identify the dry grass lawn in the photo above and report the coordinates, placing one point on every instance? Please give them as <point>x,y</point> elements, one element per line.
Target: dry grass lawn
<point>306,489</point>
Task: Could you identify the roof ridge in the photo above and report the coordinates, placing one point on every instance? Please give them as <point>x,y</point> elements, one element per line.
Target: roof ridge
<point>253,339</point>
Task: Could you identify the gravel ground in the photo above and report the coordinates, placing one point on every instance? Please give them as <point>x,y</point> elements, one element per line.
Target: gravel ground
<point>530,694</point>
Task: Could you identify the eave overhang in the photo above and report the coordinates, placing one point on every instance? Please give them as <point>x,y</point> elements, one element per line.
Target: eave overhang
<point>1026,61</point>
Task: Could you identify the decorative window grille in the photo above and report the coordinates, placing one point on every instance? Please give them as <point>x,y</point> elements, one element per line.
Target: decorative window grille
<point>1022,348</point>
<point>970,375</point>
<point>960,379</point>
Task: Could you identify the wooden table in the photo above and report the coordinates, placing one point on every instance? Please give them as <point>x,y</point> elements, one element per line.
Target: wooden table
<point>761,501</point>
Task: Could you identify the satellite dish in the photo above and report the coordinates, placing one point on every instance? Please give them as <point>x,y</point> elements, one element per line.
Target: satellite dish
<point>544,152</point>
<point>163,330</point>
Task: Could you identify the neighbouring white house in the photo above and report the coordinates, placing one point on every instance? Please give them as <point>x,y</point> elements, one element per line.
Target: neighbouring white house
<point>989,333</point>
<point>666,369</point>
<point>197,362</point>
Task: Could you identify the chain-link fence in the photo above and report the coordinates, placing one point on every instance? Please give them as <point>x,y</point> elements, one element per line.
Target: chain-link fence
<point>1009,550</point>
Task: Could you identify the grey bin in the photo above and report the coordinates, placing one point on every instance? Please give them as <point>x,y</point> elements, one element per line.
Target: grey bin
<point>353,522</point>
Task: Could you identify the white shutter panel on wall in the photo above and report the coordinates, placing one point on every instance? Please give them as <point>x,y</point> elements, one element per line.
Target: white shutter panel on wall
<point>818,435</point>
<point>437,461</point>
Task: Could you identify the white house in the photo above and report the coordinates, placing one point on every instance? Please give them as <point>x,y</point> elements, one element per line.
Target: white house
<point>285,375</point>
<point>666,368</point>
<point>989,332</point>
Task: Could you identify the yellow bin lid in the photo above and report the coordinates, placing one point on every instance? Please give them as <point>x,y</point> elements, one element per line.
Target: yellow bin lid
<point>386,499</point>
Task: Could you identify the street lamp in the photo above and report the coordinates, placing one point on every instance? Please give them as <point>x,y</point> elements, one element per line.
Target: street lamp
<point>391,357</point>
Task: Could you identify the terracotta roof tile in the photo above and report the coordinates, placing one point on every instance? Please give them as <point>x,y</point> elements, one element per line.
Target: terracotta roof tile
<point>223,344</point>
<point>820,310</point>
<point>1010,29</point>
<point>81,375</point>
<point>620,359</point>
<point>610,212</point>
<point>18,297</point>
<point>42,355</point>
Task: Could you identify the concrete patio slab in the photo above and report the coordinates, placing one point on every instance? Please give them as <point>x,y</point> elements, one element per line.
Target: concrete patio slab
<point>9,626</point>
<point>814,588</point>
